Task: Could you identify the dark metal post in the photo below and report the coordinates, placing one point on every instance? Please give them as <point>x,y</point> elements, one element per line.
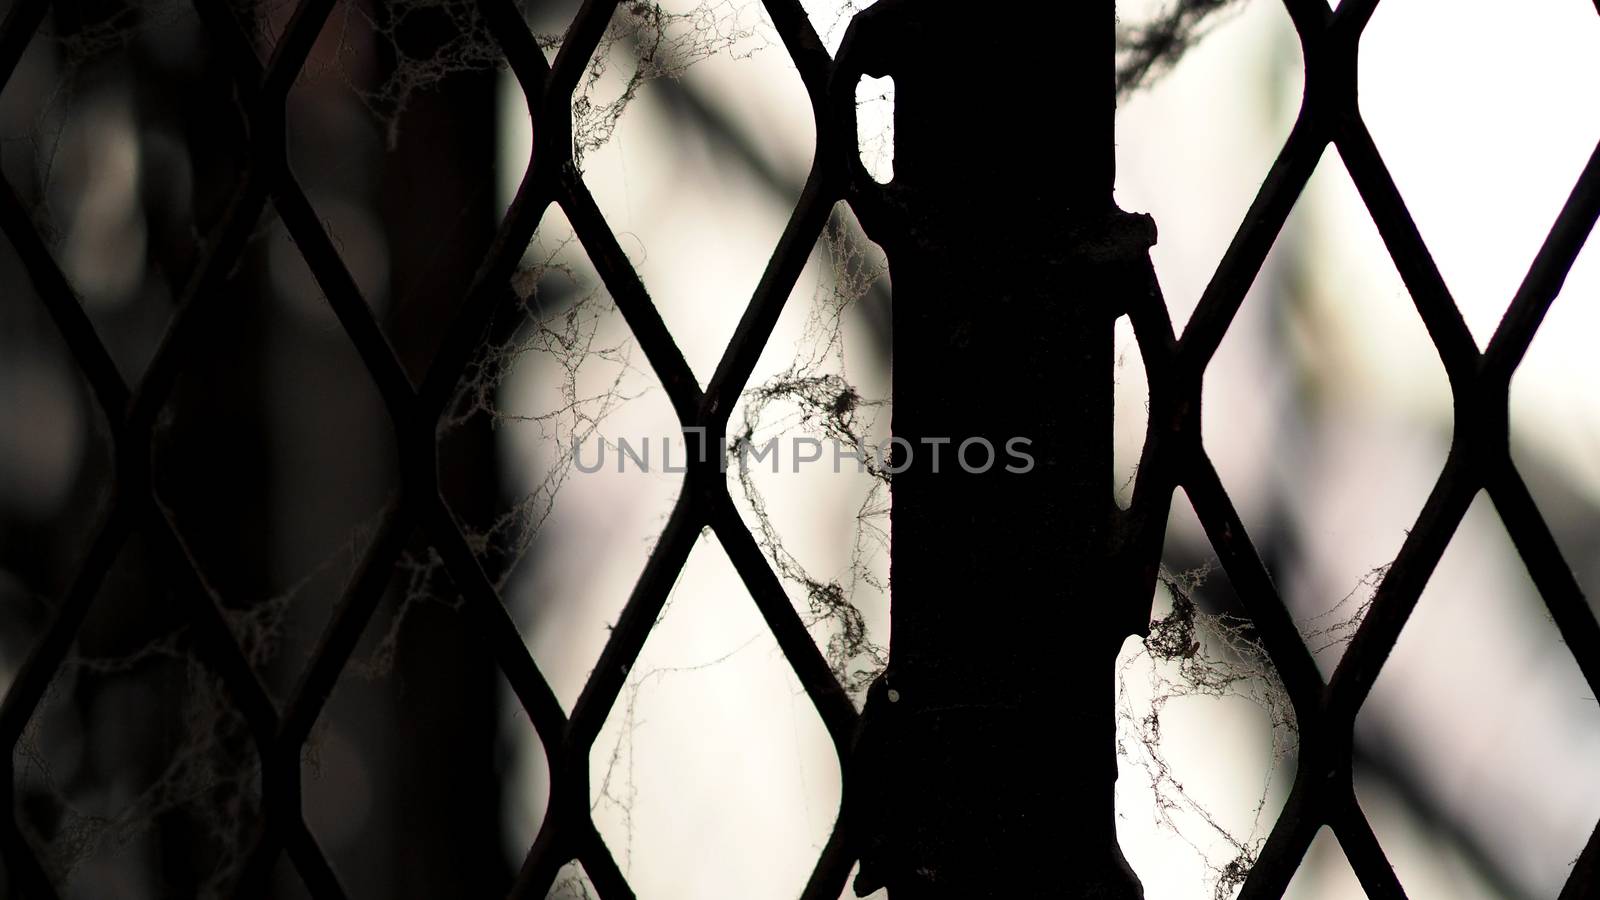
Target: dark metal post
<point>986,763</point>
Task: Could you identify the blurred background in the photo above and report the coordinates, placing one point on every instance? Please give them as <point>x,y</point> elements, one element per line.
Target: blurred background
<point>1327,414</point>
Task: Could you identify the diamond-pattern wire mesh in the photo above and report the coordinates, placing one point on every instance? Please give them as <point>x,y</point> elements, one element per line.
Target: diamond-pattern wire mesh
<point>1174,456</point>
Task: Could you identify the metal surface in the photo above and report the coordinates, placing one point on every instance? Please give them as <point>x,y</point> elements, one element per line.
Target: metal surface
<point>1323,792</point>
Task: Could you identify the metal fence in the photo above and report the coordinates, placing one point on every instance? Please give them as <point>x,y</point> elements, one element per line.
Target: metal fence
<point>1323,790</point>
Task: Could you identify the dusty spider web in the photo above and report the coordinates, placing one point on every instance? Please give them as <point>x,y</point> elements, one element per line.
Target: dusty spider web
<point>1190,652</point>
<point>813,396</point>
<point>212,776</point>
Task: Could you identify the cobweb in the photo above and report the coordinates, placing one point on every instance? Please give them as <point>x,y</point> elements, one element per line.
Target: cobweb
<point>644,41</point>
<point>205,782</point>
<point>572,884</point>
<point>207,778</point>
<point>1191,653</point>
<point>596,373</point>
<point>90,805</point>
<point>814,396</point>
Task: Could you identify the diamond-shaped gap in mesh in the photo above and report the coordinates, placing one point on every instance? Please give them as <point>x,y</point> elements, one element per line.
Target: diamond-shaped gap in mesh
<point>588,451</point>
<point>1432,858</point>
<point>136,774</point>
<point>1205,732</point>
<point>549,21</point>
<point>1457,130</point>
<point>1194,146</point>
<point>646,42</point>
<point>286,883</point>
<point>350,116</point>
<point>523,768</point>
<point>275,459</point>
<point>572,883</point>
<point>514,126</point>
<point>830,19</point>
<point>120,134</point>
<point>750,87</point>
<point>1555,418</point>
<point>1482,709</point>
<point>849,892</point>
<point>875,127</point>
<point>820,387</point>
<point>391,134</point>
<point>1328,414</point>
<point>698,178</point>
<point>1324,873</point>
<point>263,23</point>
<point>356,803</point>
<point>405,773</point>
<point>1132,415</point>
<point>55,469</point>
<point>713,775</point>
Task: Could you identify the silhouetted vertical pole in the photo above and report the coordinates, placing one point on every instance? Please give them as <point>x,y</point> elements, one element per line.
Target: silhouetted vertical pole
<point>438,206</point>
<point>986,762</point>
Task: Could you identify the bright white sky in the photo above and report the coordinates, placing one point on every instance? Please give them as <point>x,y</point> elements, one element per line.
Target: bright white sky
<point>1484,113</point>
